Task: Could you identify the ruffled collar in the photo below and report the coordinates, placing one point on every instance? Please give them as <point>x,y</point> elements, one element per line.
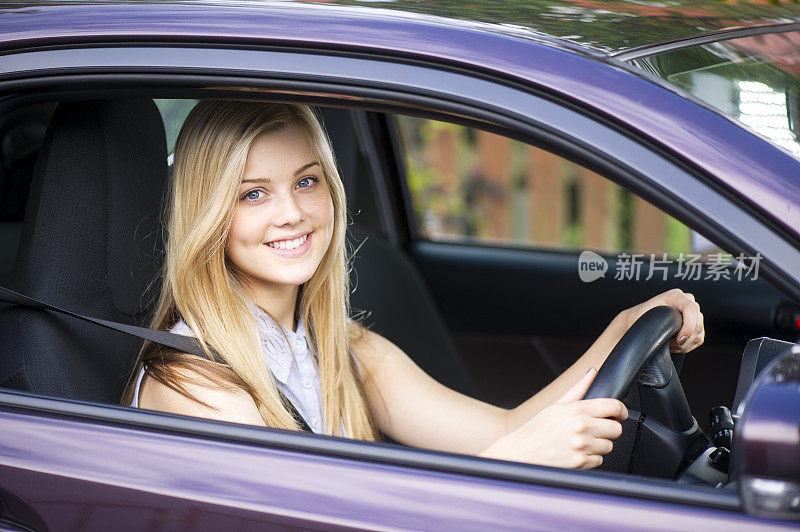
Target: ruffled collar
<point>277,352</point>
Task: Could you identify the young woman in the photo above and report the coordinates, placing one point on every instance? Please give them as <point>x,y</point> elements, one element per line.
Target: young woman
<point>256,270</point>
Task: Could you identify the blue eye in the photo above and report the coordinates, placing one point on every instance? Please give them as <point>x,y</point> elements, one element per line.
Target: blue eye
<point>254,195</point>
<point>307,182</point>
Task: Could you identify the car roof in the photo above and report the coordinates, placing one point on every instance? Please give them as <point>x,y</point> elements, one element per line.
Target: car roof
<point>595,26</point>
<point>606,27</point>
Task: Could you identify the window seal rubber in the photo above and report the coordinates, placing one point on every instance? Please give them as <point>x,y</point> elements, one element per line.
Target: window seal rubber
<point>708,38</point>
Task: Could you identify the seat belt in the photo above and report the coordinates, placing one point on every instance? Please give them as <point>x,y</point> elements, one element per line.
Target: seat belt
<point>184,344</point>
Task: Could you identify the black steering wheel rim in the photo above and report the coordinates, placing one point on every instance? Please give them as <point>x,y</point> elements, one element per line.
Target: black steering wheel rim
<point>641,350</point>
<point>662,435</point>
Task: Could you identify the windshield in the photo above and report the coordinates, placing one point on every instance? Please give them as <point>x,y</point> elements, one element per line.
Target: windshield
<point>755,80</point>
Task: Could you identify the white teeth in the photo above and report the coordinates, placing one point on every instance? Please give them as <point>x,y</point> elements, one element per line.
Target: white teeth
<point>288,244</point>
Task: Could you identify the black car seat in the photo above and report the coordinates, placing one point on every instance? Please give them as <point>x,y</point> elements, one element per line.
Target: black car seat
<point>387,286</point>
<point>391,293</point>
<point>90,243</point>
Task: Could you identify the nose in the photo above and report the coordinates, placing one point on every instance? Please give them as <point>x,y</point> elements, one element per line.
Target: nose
<point>287,211</point>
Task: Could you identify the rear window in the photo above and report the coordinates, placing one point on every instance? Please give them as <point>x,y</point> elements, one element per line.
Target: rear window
<point>754,80</point>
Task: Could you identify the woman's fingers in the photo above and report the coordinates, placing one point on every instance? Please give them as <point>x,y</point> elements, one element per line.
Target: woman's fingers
<point>573,432</point>
<point>580,388</point>
<point>689,309</point>
<point>600,446</point>
<point>591,454</point>
<point>701,329</point>
<point>593,432</point>
<point>604,408</point>
<point>692,331</point>
<point>592,461</point>
<point>605,428</point>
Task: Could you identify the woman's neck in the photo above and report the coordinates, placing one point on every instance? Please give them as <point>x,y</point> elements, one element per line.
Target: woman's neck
<point>278,302</point>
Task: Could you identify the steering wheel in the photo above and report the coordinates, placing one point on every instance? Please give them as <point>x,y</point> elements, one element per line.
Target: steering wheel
<point>660,436</point>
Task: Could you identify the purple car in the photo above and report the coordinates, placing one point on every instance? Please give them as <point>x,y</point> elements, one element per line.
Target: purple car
<point>517,173</point>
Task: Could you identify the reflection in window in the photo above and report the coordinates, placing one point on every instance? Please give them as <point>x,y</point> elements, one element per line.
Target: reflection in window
<point>755,80</point>
<point>764,110</point>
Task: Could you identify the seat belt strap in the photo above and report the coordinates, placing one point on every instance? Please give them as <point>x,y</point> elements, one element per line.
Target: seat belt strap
<point>184,344</point>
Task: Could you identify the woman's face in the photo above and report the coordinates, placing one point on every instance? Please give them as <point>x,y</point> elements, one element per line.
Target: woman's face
<point>283,220</point>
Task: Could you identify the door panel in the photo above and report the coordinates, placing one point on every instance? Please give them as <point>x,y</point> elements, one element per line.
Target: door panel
<point>88,475</point>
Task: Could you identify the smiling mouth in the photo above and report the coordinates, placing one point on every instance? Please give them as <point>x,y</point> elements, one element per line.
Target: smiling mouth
<point>289,244</point>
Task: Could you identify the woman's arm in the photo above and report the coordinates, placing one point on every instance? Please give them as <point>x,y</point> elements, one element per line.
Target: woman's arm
<point>692,332</point>
<point>413,408</point>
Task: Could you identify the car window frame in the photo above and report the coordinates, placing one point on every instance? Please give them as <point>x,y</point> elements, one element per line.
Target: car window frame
<point>68,75</point>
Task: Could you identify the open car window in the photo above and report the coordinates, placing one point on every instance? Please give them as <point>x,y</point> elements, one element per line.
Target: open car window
<point>472,187</point>
<point>517,307</point>
<point>502,175</point>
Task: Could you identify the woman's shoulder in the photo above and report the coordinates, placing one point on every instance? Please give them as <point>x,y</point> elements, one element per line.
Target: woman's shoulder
<point>194,393</point>
<point>197,387</point>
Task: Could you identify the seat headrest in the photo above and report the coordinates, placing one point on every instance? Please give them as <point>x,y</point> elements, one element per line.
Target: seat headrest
<point>91,236</point>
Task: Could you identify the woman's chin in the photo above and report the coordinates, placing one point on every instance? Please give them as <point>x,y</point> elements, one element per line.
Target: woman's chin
<point>296,281</point>
<point>271,284</point>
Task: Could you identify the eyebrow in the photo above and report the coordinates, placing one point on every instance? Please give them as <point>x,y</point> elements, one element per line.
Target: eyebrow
<point>306,167</point>
<point>268,180</point>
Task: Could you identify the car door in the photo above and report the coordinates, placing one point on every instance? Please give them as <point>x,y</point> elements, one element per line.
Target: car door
<point>59,455</point>
<point>87,467</point>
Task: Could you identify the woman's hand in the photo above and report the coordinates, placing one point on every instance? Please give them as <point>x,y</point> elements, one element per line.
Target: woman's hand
<point>570,433</point>
<point>692,333</point>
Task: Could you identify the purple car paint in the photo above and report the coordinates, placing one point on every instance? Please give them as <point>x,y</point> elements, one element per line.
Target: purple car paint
<point>81,475</point>
<point>62,468</point>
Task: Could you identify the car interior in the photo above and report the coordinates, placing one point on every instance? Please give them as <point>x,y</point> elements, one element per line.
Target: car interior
<point>109,160</point>
<point>82,186</point>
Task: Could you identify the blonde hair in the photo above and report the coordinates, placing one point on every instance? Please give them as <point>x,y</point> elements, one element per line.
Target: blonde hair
<point>204,289</point>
